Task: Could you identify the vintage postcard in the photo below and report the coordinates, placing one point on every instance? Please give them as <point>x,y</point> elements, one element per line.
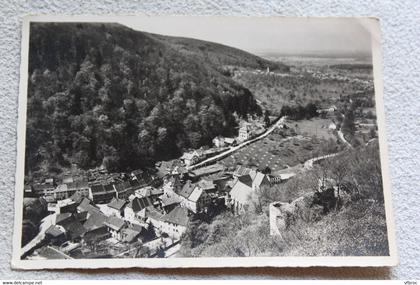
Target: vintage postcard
<point>180,141</point>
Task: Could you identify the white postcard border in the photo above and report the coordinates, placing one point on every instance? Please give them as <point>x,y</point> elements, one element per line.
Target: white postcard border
<point>282,261</point>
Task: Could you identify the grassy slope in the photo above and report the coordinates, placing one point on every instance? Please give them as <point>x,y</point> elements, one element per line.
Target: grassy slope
<point>217,54</point>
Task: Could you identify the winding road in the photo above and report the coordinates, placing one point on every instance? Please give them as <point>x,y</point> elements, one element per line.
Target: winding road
<point>45,224</point>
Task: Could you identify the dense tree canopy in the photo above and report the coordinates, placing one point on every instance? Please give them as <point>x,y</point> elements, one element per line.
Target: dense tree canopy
<point>103,93</point>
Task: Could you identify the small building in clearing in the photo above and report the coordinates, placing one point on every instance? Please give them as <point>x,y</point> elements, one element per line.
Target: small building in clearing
<point>219,141</point>
<point>244,132</point>
<point>193,157</point>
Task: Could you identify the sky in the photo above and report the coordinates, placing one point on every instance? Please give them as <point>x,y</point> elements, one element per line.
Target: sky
<point>270,35</point>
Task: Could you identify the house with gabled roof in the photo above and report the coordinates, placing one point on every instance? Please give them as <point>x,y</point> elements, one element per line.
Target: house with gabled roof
<point>175,222</point>
<point>190,158</point>
<point>72,225</point>
<point>123,190</point>
<point>193,197</point>
<point>129,235</point>
<point>218,141</point>
<point>62,218</point>
<point>205,171</point>
<point>151,192</point>
<point>142,177</point>
<point>42,189</point>
<point>244,186</point>
<point>96,229</point>
<point>135,211</point>
<point>55,234</point>
<point>172,184</point>
<point>169,201</point>
<point>65,206</point>
<point>66,190</point>
<point>153,217</point>
<point>114,225</point>
<point>102,193</point>
<point>115,208</point>
<point>244,132</point>
<point>95,222</point>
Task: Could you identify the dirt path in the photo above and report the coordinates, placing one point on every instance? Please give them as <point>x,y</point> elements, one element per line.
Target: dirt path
<point>343,139</point>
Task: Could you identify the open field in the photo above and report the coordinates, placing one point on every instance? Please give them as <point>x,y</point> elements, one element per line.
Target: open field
<point>305,84</point>
<point>314,127</point>
<point>279,153</point>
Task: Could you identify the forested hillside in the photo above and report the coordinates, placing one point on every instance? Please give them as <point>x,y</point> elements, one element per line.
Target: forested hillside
<point>103,93</point>
<point>219,55</point>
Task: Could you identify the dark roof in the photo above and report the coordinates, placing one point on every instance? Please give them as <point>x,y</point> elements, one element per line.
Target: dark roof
<point>109,188</point>
<point>138,204</point>
<point>207,170</point>
<point>178,216</point>
<point>61,218</point>
<point>54,231</point>
<point>41,187</point>
<point>84,205</point>
<point>134,183</point>
<point>95,219</point>
<point>117,204</point>
<point>96,235</point>
<point>74,229</point>
<point>122,186</point>
<point>129,235</point>
<point>82,216</point>
<point>187,189</point>
<point>246,179</point>
<point>176,181</point>
<point>77,185</point>
<point>144,177</point>
<point>97,189</point>
<point>114,223</point>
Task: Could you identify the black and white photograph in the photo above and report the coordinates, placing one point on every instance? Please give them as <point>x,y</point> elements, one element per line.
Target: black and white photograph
<point>179,141</point>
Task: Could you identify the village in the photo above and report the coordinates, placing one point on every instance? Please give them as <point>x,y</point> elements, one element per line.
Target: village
<point>146,212</point>
<point>143,213</point>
